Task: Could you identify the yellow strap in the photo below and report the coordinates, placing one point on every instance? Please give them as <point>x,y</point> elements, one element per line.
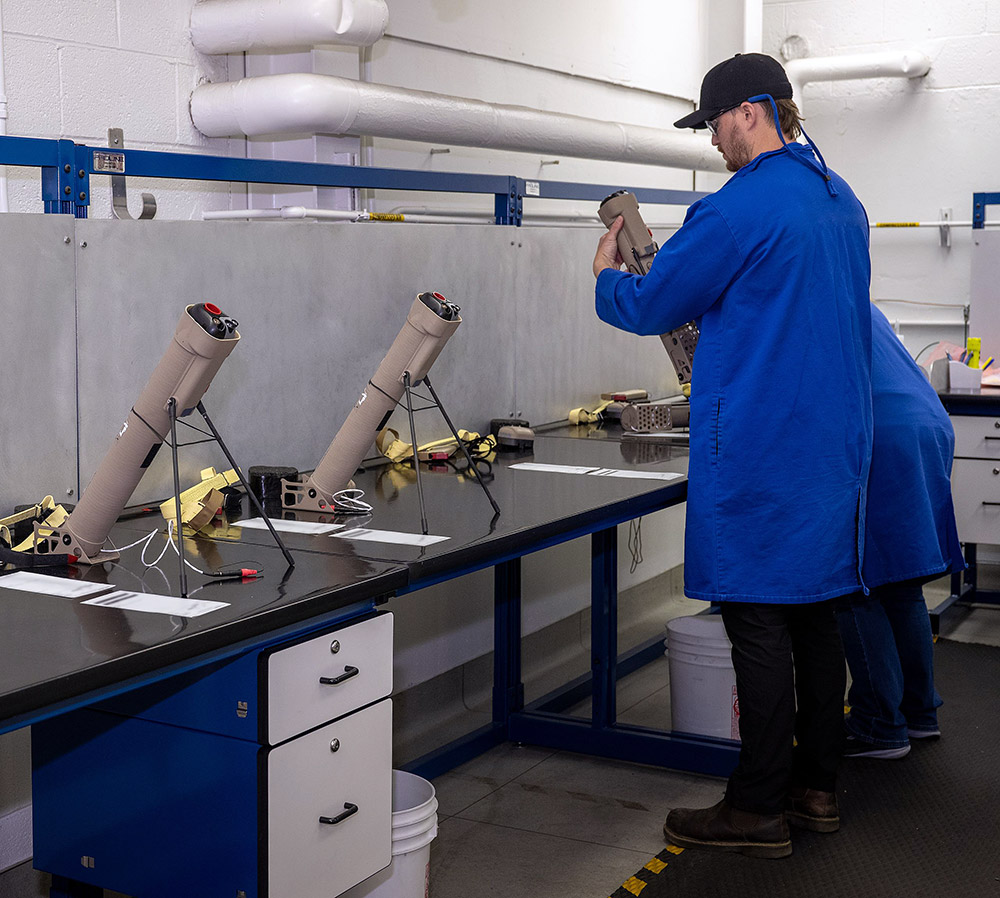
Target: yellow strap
<point>395,449</point>
<point>582,416</point>
<point>56,518</point>
<point>193,498</point>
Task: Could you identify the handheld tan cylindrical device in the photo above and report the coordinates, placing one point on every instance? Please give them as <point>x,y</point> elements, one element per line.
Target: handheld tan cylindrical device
<point>637,249</point>
<point>429,324</point>
<point>203,340</point>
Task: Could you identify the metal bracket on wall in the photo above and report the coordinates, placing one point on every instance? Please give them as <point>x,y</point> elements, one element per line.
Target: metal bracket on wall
<point>119,196</point>
<point>945,229</point>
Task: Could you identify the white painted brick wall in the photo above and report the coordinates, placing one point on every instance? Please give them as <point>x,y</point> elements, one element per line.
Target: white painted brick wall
<point>908,147</point>
<point>74,68</point>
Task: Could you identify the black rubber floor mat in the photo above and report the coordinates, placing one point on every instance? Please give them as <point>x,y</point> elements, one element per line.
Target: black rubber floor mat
<point>924,826</point>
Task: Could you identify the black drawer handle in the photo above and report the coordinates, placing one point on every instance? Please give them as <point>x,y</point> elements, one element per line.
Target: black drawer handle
<point>346,675</point>
<point>340,818</point>
<point>991,503</point>
<point>991,438</point>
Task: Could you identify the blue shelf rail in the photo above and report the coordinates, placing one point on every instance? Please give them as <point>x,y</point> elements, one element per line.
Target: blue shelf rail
<point>67,166</point>
<point>979,203</point>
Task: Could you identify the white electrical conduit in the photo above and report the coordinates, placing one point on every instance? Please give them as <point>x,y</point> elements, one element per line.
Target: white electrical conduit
<point>930,224</point>
<point>311,104</point>
<point>233,26</point>
<point>286,213</point>
<point>889,64</point>
<point>299,212</point>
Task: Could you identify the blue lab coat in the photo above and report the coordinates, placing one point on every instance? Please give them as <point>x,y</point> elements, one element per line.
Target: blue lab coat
<point>910,530</point>
<point>774,267</point>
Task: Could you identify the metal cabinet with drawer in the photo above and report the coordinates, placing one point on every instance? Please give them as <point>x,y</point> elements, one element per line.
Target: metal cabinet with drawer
<point>266,776</point>
<point>976,478</point>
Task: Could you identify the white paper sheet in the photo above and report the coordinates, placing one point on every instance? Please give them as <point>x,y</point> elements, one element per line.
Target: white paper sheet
<point>390,536</point>
<point>156,604</point>
<point>555,469</point>
<point>52,586</point>
<point>286,526</point>
<point>599,472</point>
<point>638,475</point>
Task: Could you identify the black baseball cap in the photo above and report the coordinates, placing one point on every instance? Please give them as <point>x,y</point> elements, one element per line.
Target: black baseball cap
<point>734,80</point>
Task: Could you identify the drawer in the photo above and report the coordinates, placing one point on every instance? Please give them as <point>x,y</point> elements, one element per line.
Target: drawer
<point>307,780</point>
<point>327,677</point>
<point>975,487</point>
<point>976,437</point>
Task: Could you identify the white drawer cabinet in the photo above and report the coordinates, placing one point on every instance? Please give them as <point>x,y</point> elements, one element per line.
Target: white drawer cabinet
<point>327,677</point>
<point>254,779</point>
<point>975,487</point>
<point>329,806</point>
<point>976,437</point>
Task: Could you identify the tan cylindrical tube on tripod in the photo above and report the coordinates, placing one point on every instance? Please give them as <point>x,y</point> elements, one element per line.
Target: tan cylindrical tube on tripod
<point>415,350</point>
<point>637,249</point>
<point>184,373</point>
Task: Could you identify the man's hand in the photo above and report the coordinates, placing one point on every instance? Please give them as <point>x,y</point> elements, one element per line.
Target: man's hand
<point>607,249</point>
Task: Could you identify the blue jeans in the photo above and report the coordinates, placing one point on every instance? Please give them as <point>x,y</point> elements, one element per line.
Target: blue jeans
<point>889,648</point>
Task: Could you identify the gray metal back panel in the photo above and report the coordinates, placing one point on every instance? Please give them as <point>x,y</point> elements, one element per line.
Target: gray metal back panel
<point>566,356</point>
<point>37,360</point>
<point>319,304</point>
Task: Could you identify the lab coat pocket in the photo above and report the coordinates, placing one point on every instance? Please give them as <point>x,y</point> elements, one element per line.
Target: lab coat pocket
<point>717,430</point>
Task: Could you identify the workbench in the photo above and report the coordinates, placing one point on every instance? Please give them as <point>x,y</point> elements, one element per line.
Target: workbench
<point>169,753</point>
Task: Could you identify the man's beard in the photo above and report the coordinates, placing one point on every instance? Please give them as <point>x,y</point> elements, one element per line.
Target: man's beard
<point>739,153</point>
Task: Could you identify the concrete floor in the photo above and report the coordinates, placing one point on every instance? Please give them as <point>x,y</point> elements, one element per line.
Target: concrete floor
<point>523,821</point>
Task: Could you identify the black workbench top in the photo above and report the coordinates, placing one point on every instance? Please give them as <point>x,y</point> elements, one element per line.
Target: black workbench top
<point>985,402</point>
<point>536,508</point>
<point>55,650</point>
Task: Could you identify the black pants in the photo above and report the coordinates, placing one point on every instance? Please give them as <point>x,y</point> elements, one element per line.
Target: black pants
<point>782,653</point>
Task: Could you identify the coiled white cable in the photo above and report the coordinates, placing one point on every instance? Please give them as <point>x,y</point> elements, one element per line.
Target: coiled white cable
<point>350,501</point>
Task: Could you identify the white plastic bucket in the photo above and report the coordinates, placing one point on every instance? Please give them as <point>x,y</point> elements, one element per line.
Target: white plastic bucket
<point>414,826</point>
<point>703,696</point>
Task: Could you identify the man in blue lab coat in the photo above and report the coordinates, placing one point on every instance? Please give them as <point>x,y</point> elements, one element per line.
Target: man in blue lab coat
<point>775,268</point>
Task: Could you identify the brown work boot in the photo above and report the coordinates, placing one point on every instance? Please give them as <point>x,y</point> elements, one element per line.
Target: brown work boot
<point>813,810</point>
<point>725,828</point>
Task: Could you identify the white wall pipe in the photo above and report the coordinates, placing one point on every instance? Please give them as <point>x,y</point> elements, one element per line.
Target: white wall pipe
<point>286,213</point>
<point>753,26</point>
<point>310,104</point>
<point>232,26</point>
<point>888,64</point>
<point>423,216</point>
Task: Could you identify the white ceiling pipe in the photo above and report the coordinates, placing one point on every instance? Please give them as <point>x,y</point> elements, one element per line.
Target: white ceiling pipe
<point>233,26</point>
<point>890,64</point>
<point>310,104</point>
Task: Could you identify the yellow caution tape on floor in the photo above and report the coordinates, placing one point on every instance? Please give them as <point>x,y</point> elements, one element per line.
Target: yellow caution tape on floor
<point>633,885</point>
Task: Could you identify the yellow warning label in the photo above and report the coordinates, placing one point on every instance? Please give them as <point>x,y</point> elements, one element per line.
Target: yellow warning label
<point>633,885</point>
<point>897,224</point>
<point>656,865</point>
<point>674,849</point>
<point>385,216</point>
